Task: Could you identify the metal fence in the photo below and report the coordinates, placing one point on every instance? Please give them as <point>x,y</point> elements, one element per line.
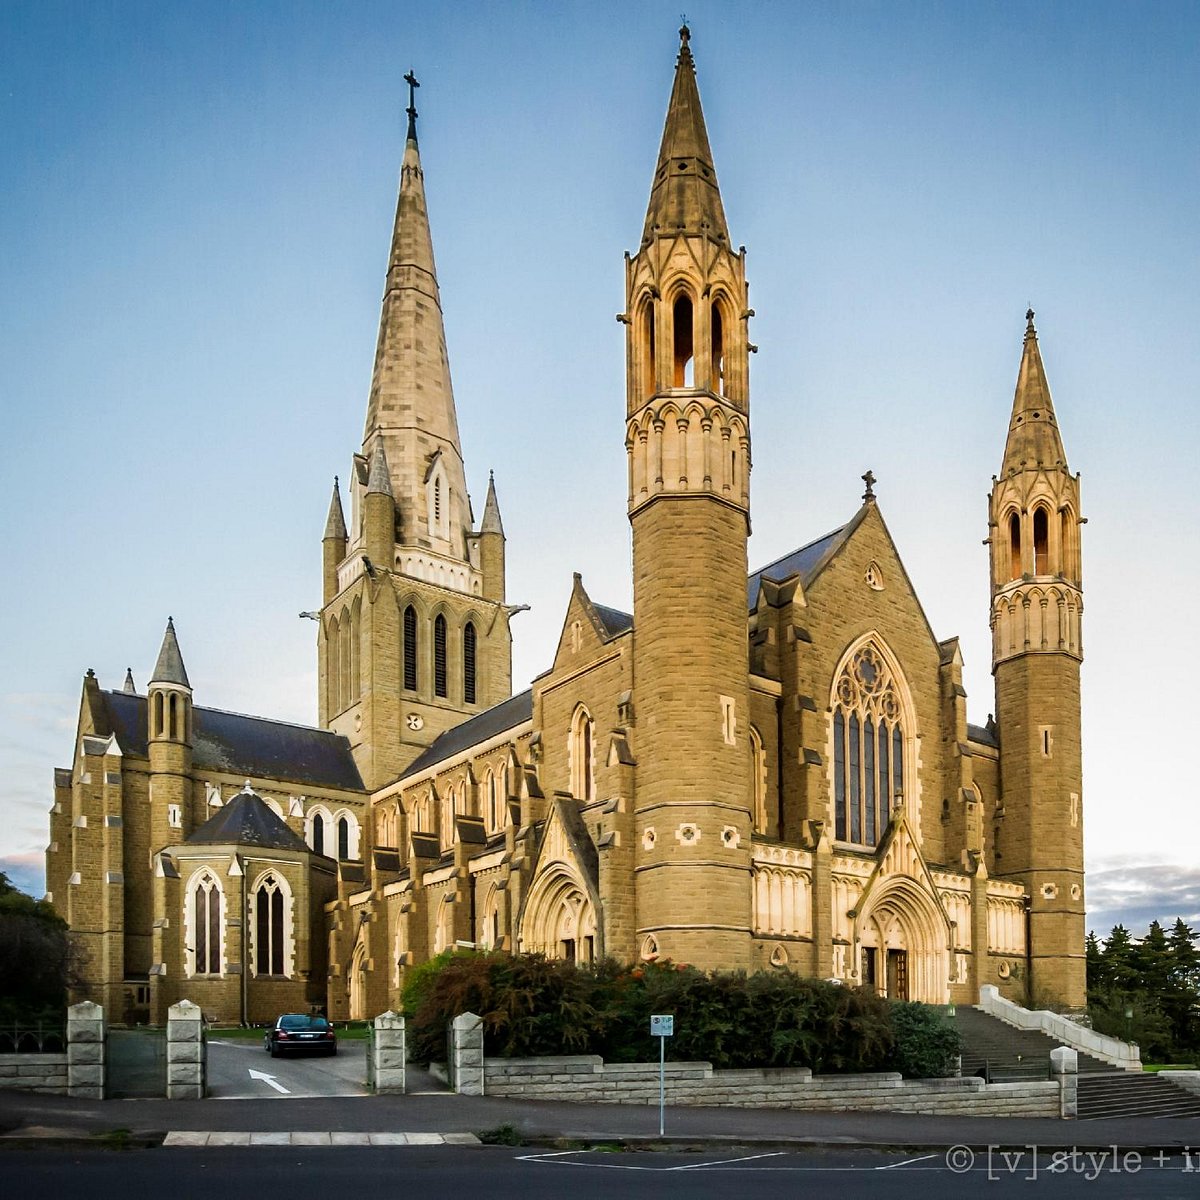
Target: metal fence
<point>36,1037</point>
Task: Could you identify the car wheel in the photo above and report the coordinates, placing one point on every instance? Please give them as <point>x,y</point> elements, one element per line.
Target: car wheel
<point>273,1052</point>
<point>333,1051</point>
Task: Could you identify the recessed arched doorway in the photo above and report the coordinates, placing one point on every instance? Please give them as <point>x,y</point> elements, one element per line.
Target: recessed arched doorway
<point>902,939</point>
<point>560,919</point>
<point>358,983</point>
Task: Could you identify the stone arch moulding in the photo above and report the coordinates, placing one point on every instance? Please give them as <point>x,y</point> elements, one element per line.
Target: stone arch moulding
<point>901,910</point>
<point>560,903</point>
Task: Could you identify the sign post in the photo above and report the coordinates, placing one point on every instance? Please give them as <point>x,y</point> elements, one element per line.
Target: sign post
<point>662,1027</point>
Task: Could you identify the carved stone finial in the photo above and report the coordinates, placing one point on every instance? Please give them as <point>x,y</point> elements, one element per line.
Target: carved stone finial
<point>869,480</point>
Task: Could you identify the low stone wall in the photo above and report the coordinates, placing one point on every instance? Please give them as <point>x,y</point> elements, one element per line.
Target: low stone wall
<point>1063,1030</point>
<point>34,1072</point>
<point>586,1078</point>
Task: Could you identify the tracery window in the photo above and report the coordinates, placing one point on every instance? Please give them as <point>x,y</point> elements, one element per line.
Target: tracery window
<point>269,944</point>
<point>868,748</point>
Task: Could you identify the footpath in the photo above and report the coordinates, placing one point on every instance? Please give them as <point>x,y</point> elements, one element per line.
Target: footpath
<point>429,1119</point>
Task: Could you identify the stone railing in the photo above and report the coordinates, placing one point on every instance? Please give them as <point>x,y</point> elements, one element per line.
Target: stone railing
<point>1125,1055</point>
<point>586,1078</point>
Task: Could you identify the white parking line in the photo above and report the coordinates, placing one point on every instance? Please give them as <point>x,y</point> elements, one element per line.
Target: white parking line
<point>723,1161</point>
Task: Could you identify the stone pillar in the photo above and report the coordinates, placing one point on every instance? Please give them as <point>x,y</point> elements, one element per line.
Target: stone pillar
<point>1064,1066</point>
<point>386,1055</point>
<point>466,1054</point>
<point>186,1052</point>
<point>85,1051</point>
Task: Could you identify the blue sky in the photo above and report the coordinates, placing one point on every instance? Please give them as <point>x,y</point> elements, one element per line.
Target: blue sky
<point>195,204</point>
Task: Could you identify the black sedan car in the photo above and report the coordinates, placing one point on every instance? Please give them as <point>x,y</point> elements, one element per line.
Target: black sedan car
<point>300,1034</point>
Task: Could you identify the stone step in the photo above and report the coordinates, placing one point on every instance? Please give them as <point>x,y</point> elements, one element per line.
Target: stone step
<point>1125,1094</point>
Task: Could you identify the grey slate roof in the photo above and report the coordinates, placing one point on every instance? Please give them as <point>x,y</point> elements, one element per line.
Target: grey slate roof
<point>613,620</point>
<point>804,562</point>
<point>983,735</point>
<point>247,821</point>
<point>169,667</point>
<point>486,725</point>
<point>252,747</point>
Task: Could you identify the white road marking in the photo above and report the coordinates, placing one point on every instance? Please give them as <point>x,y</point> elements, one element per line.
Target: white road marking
<point>906,1162</point>
<point>270,1079</point>
<point>723,1161</point>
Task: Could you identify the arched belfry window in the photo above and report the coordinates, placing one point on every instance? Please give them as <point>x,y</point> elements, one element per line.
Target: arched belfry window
<point>684,341</point>
<point>649,369</point>
<point>269,932</point>
<point>868,747</point>
<point>1014,546</point>
<point>469,663</point>
<point>582,775</point>
<point>1041,541</point>
<point>410,649</point>
<point>439,655</point>
<point>717,351</point>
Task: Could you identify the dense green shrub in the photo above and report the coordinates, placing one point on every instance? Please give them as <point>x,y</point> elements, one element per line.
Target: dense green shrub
<point>927,1045</point>
<point>533,1006</point>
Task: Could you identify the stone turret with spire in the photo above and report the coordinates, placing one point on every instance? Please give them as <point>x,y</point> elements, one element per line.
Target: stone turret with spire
<point>687,437</point>
<point>169,737</point>
<point>1037,648</point>
<point>414,633</point>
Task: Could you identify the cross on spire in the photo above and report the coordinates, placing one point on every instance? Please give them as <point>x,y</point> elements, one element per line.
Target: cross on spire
<point>411,80</point>
<point>869,480</point>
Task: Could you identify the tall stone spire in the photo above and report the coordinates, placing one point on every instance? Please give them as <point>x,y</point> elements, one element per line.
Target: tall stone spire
<point>335,524</point>
<point>1033,436</point>
<point>684,196</point>
<point>491,510</point>
<point>169,668</point>
<point>411,406</point>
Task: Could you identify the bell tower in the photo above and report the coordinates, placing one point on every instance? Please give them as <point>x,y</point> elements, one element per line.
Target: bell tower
<point>688,445</point>
<point>414,633</point>
<point>1037,648</point>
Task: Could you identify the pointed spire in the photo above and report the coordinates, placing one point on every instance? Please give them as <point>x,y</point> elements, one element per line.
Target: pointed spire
<point>491,510</point>
<point>411,404</point>
<point>169,667</point>
<point>335,524</point>
<point>1033,436</point>
<point>684,195</point>
<point>129,689</point>
<point>379,480</point>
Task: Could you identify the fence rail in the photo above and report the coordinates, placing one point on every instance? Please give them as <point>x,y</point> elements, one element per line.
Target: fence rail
<point>38,1037</point>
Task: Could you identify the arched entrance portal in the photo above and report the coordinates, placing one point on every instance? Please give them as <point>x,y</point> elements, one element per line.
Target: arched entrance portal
<point>902,940</point>
<point>560,920</point>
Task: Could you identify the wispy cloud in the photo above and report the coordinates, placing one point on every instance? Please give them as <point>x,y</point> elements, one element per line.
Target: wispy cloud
<point>1133,892</point>
<point>25,871</point>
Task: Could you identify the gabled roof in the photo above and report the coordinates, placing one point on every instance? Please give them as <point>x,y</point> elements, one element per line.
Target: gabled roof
<point>508,714</point>
<point>614,621</point>
<point>247,820</point>
<point>252,747</point>
<point>805,562</point>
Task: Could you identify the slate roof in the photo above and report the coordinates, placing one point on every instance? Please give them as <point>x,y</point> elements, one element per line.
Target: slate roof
<point>252,747</point>
<point>247,820</point>
<point>983,735</point>
<point>613,620</point>
<point>805,562</point>
<point>508,714</point>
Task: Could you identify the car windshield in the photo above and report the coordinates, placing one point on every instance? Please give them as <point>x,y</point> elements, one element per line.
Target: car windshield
<point>299,1021</point>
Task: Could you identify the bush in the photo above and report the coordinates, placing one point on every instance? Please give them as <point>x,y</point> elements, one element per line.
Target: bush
<point>531,1006</point>
<point>926,1043</point>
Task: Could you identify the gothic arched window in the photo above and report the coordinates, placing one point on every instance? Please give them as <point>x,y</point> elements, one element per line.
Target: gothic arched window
<point>204,917</point>
<point>582,780</point>
<point>758,781</point>
<point>469,663</point>
<point>343,836</point>
<point>1041,541</point>
<point>269,957</point>
<point>868,747</point>
<point>1014,547</point>
<point>684,349</point>
<point>410,648</point>
<point>318,833</point>
<point>717,351</point>
<point>439,655</point>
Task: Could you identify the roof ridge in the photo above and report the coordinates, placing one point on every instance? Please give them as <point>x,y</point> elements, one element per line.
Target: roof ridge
<point>229,712</point>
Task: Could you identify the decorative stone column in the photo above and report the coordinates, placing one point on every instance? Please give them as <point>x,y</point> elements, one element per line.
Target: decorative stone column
<point>466,1054</point>
<point>1064,1066</point>
<point>386,1054</point>
<point>186,1052</point>
<point>85,1051</point>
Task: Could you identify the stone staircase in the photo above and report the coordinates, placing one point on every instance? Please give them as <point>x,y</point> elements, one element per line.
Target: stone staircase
<point>1126,1094</point>
<point>1002,1053</point>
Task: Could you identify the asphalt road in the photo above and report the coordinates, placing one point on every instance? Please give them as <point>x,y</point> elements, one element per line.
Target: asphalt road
<point>230,1065</point>
<point>267,1173</point>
